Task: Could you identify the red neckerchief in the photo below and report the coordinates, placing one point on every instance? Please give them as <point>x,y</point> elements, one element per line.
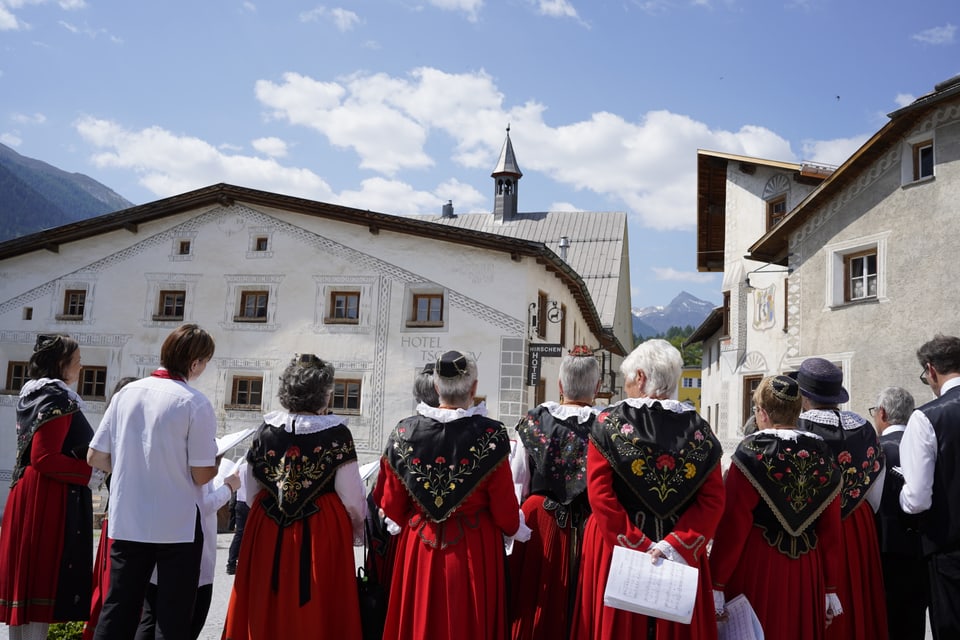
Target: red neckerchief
<point>168,375</point>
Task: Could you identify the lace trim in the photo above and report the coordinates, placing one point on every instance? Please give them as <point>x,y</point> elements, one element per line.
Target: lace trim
<point>789,434</point>
<point>848,419</point>
<point>449,415</point>
<point>306,422</point>
<point>564,411</point>
<point>671,405</point>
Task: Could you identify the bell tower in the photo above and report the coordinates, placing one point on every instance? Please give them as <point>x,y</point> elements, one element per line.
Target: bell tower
<point>506,176</point>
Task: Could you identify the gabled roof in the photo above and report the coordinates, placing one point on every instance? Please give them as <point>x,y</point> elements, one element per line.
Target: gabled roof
<point>225,195</point>
<point>595,251</point>
<point>772,247</point>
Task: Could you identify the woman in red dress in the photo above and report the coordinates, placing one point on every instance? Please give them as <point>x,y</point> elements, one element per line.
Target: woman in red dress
<point>295,576</point>
<point>654,484</point>
<point>856,445</point>
<point>550,467</point>
<point>779,538</point>
<point>46,540</point>
<point>447,484</point>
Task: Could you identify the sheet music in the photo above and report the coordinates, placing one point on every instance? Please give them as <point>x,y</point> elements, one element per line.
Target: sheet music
<point>664,590</point>
<point>741,622</point>
<point>227,466</point>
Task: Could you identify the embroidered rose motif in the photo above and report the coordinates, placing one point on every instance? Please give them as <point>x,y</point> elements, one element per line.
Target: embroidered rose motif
<point>666,461</point>
<point>803,453</point>
<point>698,436</point>
<point>870,452</point>
<point>415,461</point>
<point>293,451</point>
<point>464,461</point>
<point>602,417</point>
<point>855,493</point>
<point>844,457</point>
<point>440,460</point>
<point>637,467</point>
<point>627,429</point>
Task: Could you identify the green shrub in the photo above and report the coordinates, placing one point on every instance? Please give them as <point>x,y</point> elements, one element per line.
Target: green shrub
<point>65,631</point>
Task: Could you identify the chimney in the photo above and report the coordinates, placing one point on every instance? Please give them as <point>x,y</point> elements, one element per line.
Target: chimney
<point>564,245</point>
<point>447,211</point>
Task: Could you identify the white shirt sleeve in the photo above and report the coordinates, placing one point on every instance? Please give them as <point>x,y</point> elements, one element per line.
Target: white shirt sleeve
<point>103,438</point>
<point>918,456</point>
<point>349,486</point>
<point>213,499</point>
<point>520,467</point>
<point>251,484</point>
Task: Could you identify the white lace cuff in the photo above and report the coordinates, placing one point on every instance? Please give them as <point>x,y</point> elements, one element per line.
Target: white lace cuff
<point>669,552</point>
<point>833,605</point>
<point>719,601</point>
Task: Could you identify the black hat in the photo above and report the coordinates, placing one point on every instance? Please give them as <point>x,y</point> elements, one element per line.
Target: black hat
<point>452,364</point>
<point>822,381</point>
<point>785,388</point>
<point>428,368</point>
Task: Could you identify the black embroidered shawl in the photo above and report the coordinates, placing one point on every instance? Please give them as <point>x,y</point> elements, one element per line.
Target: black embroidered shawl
<point>442,463</point>
<point>796,479</point>
<point>557,450</point>
<point>660,457</point>
<point>295,468</point>
<point>855,444</point>
<point>34,410</point>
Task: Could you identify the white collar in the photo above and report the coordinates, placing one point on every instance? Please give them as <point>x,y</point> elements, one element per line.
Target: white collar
<point>305,422</point>
<point>848,419</point>
<point>894,428</point>
<point>789,434</point>
<point>32,385</point>
<point>564,411</point>
<point>449,415</point>
<point>669,404</point>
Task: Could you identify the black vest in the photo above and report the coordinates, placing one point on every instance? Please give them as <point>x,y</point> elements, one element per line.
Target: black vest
<point>897,532</point>
<point>941,524</point>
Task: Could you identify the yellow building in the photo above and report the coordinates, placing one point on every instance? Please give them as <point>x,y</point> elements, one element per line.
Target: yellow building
<point>689,390</point>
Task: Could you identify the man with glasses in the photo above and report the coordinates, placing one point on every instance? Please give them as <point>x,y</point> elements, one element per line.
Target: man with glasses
<point>930,457</point>
<point>904,572</point>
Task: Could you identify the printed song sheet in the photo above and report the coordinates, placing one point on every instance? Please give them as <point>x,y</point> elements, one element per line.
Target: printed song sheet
<point>741,622</point>
<point>664,590</point>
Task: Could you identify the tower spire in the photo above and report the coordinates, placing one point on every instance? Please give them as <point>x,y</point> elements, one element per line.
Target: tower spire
<point>506,176</point>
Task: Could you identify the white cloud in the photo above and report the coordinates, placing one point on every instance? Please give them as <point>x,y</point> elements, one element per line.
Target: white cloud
<point>273,147</point>
<point>470,7</point>
<point>564,206</point>
<point>556,8</point>
<point>903,99</point>
<point>249,7</point>
<point>673,275</point>
<point>24,118</point>
<point>11,139</point>
<point>72,5</point>
<point>936,35</point>
<point>834,152</point>
<point>343,19</point>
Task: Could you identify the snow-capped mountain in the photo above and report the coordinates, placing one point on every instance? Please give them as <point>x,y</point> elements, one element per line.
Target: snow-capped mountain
<point>683,310</point>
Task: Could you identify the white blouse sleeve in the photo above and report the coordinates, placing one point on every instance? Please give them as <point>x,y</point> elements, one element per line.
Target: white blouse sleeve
<point>349,487</point>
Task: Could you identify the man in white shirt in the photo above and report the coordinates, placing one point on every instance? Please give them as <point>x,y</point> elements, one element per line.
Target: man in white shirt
<point>158,438</point>
<point>930,458</point>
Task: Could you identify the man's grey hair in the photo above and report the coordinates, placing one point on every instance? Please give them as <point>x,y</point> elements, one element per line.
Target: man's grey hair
<point>660,361</point>
<point>456,391</point>
<point>579,376</point>
<point>898,403</point>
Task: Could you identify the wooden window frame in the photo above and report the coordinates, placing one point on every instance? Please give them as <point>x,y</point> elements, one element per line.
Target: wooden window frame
<point>345,389</point>
<point>257,317</point>
<point>184,248</point>
<point>13,376</point>
<point>254,396</point>
<point>750,383</point>
<point>95,388</point>
<point>917,152</point>
<point>848,278</point>
<point>415,320</point>
<point>333,309</point>
<point>540,392</point>
<point>261,243</point>
<point>73,309</point>
<point>162,305</point>
<point>773,215</point>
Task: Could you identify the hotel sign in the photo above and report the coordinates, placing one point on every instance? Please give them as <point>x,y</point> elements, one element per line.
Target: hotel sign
<point>534,356</point>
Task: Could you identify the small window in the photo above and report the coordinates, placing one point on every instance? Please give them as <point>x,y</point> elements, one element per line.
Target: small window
<point>74,301</point>
<point>427,309</point>
<point>344,307</point>
<point>541,314</point>
<point>923,160</point>
<point>563,325</point>
<point>725,331</point>
<point>16,375</point>
<point>776,211</point>
<point>170,305</point>
<point>246,393</point>
<point>93,383</point>
<point>28,313</point>
<point>860,276</point>
<point>183,248</point>
<point>346,396</point>
<point>253,306</point>
<point>750,384</point>
<point>261,244</point>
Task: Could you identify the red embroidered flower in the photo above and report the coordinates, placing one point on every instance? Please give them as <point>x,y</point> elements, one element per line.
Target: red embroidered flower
<point>666,460</point>
<point>823,479</point>
<point>464,461</point>
<point>293,451</point>
<point>759,456</point>
<point>864,464</point>
<point>778,476</point>
<point>415,461</point>
<point>401,430</point>
<point>602,417</point>
<point>489,429</point>
<point>698,436</point>
<point>844,457</point>
<point>876,465</point>
<point>855,493</point>
<point>440,460</point>
<point>870,452</point>
<point>803,453</point>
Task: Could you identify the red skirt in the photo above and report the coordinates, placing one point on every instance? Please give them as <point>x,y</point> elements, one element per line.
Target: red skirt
<point>540,582</point>
<point>101,582</point>
<point>860,587</point>
<point>256,612</point>
<point>592,620</point>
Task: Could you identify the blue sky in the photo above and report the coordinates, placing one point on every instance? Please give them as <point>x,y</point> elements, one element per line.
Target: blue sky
<point>400,105</point>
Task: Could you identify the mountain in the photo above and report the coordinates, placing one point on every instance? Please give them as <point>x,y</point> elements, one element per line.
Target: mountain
<point>683,310</point>
<point>35,196</point>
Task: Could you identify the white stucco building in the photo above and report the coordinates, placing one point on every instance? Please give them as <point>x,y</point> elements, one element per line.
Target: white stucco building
<point>271,275</point>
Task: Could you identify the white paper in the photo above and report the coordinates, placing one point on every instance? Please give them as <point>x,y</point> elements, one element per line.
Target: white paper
<point>742,622</point>
<point>227,466</point>
<point>665,590</point>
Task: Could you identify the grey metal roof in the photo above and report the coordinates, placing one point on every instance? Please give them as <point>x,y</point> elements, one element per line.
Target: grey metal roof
<point>507,163</point>
<point>596,244</point>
